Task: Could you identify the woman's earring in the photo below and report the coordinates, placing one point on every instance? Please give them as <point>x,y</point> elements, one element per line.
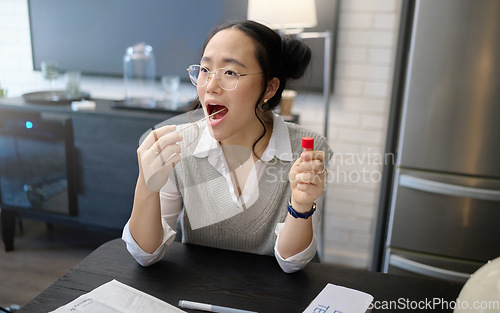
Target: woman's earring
<point>265,105</point>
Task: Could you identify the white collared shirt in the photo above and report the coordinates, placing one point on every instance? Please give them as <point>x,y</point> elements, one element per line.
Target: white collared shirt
<point>209,147</point>
<point>171,199</point>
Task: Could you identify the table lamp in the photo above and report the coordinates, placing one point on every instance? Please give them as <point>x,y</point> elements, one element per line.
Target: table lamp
<point>293,16</point>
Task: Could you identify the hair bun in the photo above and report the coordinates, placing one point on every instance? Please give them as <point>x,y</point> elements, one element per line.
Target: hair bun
<point>295,56</point>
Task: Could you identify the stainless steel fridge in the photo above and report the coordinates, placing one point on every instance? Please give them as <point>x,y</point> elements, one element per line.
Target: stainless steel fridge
<point>443,218</point>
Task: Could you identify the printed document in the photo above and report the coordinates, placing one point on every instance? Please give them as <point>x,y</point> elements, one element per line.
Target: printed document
<point>116,297</point>
<point>338,299</point>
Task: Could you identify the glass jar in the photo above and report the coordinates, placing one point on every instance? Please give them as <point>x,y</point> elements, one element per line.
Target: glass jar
<point>139,75</point>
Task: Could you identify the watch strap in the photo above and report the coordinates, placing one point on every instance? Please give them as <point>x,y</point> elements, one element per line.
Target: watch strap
<point>304,215</point>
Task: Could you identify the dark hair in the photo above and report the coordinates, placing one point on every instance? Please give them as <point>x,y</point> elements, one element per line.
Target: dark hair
<point>283,58</point>
<point>279,57</point>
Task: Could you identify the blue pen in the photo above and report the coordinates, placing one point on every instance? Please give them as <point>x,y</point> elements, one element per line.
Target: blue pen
<point>209,307</point>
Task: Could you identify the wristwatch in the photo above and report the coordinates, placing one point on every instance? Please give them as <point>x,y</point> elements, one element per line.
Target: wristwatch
<point>304,215</point>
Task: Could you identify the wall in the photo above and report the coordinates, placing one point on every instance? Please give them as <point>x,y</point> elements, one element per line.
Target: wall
<point>358,118</point>
<point>358,113</point>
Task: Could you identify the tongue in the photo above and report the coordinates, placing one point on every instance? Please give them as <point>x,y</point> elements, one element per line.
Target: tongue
<point>219,115</point>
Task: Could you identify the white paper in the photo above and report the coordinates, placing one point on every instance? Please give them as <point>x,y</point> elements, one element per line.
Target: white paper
<point>115,297</point>
<point>338,299</point>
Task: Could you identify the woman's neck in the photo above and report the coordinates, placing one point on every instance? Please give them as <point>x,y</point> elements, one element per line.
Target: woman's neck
<point>246,140</point>
<point>241,158</point>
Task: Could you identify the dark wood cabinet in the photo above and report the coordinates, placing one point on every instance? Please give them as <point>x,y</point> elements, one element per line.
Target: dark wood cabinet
<point>103,160</point>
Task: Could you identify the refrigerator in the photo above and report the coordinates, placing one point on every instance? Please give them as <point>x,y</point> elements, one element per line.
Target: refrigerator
<point>443,218</point>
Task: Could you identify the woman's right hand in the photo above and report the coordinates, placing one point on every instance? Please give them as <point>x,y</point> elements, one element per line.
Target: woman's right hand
<point>157,155</point>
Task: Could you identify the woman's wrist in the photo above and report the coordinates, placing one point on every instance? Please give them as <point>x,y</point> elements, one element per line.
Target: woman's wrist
<point>302,215</point>
<point>142,192</point>
<point>301,208</point>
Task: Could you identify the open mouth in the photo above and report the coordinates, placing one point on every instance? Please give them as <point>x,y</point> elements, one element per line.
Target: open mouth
<point>219,110</point>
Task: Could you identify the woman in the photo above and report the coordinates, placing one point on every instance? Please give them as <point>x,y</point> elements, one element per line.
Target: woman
<point>243,182</point>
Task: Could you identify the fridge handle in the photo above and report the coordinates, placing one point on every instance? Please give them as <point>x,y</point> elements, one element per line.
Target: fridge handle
<point>427,270</point>
<point>448,189</point>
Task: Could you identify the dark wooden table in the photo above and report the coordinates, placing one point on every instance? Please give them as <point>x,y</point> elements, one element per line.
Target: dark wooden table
<point>233,279</point>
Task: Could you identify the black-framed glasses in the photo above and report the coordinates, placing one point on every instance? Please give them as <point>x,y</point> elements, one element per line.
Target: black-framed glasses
<point>226,78</point>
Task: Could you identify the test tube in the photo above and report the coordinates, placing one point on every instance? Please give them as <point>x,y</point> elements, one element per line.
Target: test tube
<point>308,143</point>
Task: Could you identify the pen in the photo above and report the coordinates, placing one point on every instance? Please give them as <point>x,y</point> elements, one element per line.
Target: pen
<point>209,307</point>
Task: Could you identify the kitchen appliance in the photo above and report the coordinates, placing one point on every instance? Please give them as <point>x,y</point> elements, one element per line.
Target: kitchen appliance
<point>444,203</point>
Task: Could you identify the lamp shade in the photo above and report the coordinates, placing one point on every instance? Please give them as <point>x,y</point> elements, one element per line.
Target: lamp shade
<point>283,14</point>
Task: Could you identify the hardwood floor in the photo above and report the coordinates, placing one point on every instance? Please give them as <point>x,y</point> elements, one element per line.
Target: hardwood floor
<point>41,256</point>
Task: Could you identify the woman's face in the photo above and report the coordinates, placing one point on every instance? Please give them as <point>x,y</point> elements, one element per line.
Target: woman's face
<point>236,123</point>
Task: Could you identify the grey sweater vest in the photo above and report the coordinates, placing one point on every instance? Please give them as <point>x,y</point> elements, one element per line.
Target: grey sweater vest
<point>206,197</point>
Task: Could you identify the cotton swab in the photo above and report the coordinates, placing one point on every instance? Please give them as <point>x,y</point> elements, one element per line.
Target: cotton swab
<point>201,120</point>
<point>185,127</point>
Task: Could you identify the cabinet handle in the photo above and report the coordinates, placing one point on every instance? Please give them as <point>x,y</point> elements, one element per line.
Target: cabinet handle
<point>422,184</point>
<point>427,270</point>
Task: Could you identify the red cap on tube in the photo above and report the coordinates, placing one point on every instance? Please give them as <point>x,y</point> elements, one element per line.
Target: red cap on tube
<point>308,143</point>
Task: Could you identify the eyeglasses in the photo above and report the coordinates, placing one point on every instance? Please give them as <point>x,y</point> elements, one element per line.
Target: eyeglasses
<point>226,78</point>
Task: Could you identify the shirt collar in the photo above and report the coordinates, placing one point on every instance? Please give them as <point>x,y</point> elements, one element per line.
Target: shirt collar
<point>282,149</point>
<point>277,146</point>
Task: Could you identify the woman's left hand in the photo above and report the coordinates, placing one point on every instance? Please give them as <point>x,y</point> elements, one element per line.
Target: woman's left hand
<point>308,177</point>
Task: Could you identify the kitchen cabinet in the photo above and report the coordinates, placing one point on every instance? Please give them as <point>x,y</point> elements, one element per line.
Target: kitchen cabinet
<point>98,156</point>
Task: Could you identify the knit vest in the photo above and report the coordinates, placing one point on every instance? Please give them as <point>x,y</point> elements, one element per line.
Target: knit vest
<point>207,198</point>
